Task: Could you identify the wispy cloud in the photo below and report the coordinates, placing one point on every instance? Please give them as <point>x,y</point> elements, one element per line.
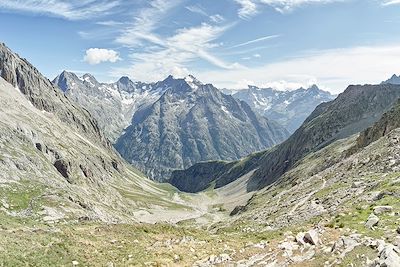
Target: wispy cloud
<point>391,2</point>
<point>172,54</point>
<point>250,8</point>
<point>155,56</point>
<point>145,22</point>
<point>197,9</point>
<point>333,69</point>
<point>256,40</point>
<point>71,10</point>
<point>217,18</point>
<point>111,23</point>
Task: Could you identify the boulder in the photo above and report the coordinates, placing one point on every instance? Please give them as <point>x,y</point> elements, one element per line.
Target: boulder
<point>389,257</point>
<point>345,244</point>
<point>356,185</point>
<point>300,239</point>
<point>382,209</point>
<point>312,237</point>
<point>372,221</point>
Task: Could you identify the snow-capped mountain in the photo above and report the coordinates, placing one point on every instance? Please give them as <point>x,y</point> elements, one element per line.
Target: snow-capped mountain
<point>112,104</point>
<point>393,80</point>
<point>289,108</point>
<point>193,122</point>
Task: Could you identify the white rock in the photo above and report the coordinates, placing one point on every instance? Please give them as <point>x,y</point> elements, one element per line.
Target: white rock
<point>382,209</point>
<point>372,221</point>
<point>300,239</point>
<point>75,263</point>
<point>389,257</point>
<point>311,237</point>
<point>356,184</point>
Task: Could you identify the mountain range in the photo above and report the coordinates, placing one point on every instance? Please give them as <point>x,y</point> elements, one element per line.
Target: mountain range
<point>193,122</point>
<point>327,196</point>
<point>356,109</point>
<point>108,102</point>
<point>56,163</point>
<point>289,108</point>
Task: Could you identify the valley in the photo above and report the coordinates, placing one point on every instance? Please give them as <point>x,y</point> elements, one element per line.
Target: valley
<point>178,173</point>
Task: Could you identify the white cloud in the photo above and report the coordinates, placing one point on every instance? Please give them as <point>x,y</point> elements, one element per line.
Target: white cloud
<point>95,56</point>
<point>332,69</point>
<point>391,2</point>
<point>250,8</point>
<point>111,23</point>
<point>155,56</point>
<point>255,41</point>
<point>174,52</point>
<point>145,22</point>
<point>72,9</point>
<point>197,9</point>
<point>217,18</point>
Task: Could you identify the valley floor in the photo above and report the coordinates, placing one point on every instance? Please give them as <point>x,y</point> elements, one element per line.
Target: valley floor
<point>346,213</point>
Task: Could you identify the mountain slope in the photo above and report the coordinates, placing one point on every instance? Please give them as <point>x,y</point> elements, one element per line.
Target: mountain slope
<point>192,122</point>
<point>43,95</point>
<point>112,105</point>
<point>351,112</point>
<point>389,121</point>
<point>357,108</point>
<point>56,165</point>
<point>289,108</point>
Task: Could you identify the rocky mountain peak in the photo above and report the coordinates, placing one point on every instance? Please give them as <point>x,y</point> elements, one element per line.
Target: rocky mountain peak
<point>90,80</point>
<point>125,80</point>
<point>393,80</point>
<point>126,84</point>
<point>193,82</point>
<point>313,87</point>
<point>64,79</point>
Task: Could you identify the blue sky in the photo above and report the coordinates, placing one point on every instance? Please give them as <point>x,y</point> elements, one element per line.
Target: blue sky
<point>230,43</point>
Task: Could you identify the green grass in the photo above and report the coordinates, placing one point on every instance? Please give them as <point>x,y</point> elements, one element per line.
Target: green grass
<point>20,196</point>
<point>353,258</point>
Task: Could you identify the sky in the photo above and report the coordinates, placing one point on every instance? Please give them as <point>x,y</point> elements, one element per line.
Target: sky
<point>284,44</point>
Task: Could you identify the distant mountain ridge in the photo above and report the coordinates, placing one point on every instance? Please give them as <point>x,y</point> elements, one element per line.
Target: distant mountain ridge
<point>393,80</point>
<point>353,111</point>
<point>112,104</point>
<point>193,122</point>
<point>289,108</point>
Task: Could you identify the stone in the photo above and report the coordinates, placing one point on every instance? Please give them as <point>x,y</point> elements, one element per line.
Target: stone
<point>75,263</point>
<point>176,258</point>
<point>382,209</point>
<point>311,237</point>
<point>300,239</point>
<point>345,244</point>
<point>389,257</point>
<point>356,185</point>
<point>398,230</point>
<point>372,221</point>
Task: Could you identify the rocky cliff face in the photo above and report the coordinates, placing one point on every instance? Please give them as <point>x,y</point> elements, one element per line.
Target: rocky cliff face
<point>389,121</point>
<point>44,95</point>
<point>111,104</point>
<point>193,122</point>
<point>288,108</point>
